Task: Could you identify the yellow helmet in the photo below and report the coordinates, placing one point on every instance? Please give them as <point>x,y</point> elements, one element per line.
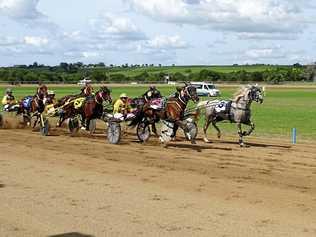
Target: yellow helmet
<point>123,95</point>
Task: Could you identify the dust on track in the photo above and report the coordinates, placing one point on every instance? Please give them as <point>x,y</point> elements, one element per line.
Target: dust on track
<point>60,184</point>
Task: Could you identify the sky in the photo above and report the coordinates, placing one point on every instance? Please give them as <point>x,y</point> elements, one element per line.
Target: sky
<point>181,32</point>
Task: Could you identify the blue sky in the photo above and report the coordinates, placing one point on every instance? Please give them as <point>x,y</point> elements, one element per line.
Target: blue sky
<point>182,32</point>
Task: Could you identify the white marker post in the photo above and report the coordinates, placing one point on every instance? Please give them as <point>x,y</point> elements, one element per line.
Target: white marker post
<point>294,133</point>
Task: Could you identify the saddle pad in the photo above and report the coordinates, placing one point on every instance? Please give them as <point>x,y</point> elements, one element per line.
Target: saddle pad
<point>79,102</point>
<point>221,106</point>
<point>26,102</point>
<point>156,104</point>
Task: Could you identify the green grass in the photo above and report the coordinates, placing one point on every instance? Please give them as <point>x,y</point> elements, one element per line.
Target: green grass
<point>282,109</point>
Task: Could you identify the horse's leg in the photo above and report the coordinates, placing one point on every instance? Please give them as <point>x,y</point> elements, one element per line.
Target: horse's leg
<point>217,129</point>
<point>205,127</point>
<point>83,121</point>
<point>252,127</point>
<point>154,129</point>
<point>241,134</point>
<point>61,121</point>
<point>88,119</point>
<point>175,129</point>
<point>35,122</point>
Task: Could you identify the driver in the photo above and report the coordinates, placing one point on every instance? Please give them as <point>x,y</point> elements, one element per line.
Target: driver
<point>8,100</point>
<point>50,97</point>
<point>151,93</point>
<point>122,108</point>
<point>87,90</point>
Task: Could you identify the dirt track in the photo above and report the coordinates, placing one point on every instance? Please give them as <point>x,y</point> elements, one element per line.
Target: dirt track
<point>59,184</point>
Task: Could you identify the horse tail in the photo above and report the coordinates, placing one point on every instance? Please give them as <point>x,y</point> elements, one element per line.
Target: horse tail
<point>202,104</point>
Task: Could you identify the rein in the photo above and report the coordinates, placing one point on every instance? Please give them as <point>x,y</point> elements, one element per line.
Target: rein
<point>96,99</point>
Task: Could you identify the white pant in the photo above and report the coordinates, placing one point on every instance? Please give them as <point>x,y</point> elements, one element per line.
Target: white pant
<point>122,117</point>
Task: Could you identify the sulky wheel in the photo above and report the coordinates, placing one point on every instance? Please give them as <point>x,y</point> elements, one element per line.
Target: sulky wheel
<point>92,126</point>
<point>192,131</point>
<point>44,129</point>
<point>143,132</point>
<point>114,133</point>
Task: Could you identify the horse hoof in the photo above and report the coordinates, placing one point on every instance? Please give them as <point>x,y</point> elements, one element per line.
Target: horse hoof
<point>219,136</point>
<point>206,140</point>
<point>193,142</point>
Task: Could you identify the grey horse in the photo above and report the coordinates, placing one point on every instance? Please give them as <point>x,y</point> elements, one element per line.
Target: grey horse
<point>236,111</point>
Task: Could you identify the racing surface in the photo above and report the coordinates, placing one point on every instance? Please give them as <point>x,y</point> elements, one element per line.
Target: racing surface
<point>58,185</point>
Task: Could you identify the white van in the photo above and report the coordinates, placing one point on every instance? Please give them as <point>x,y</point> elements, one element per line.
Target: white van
<point>206,89</point>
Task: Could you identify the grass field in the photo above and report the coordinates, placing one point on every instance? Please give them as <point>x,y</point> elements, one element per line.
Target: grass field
<point>282,109</point>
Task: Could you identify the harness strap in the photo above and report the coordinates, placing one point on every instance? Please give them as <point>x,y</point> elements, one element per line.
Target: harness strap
<point>243,109</point>
<point>175,102</point>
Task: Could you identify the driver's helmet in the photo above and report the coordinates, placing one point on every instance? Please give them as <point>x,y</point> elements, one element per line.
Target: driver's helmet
<point>8,91</point>
<point>51,93</point>
<point>152,87</point>
<point>123,95</point>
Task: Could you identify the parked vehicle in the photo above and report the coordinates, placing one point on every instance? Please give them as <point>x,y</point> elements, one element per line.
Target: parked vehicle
<point>206,89</point>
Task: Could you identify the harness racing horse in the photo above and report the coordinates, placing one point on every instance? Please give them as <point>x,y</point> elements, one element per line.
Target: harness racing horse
<point>89,108</point>
<point>147,112</point>
<point>236,111</point>
<point>31,106</point>
<point>175,108</point>
<point>93,107</point>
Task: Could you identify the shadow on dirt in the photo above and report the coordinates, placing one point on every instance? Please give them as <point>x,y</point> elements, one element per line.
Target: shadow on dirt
<point>72,234</point>
<point>198,148</point>
<point>253,144</point>
<point>2,185</point>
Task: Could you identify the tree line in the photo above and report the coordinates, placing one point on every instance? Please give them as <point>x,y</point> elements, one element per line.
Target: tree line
<point>72,73</point>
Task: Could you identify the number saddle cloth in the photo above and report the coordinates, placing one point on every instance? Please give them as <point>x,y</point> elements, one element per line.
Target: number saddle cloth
<point>156,104</point>
<point>223,106</point>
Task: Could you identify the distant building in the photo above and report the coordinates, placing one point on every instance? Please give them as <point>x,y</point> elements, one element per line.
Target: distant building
<point>84,81</point>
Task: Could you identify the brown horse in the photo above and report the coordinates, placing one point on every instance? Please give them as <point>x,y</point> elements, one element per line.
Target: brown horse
<point>175,107</point>
<point>31,106</point>
<point>89,108</point>
<point>93,107</point>
<point>147,112</point>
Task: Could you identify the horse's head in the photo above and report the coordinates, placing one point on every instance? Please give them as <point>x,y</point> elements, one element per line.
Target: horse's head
<point>255,93</point>
<point>105,94</point>
<point>190,93</point>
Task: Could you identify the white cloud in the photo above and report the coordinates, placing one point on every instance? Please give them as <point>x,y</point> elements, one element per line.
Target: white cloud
<point>174,10</point>
<point>260,53</point>
<point>271,53</point>
<point>266,36</point>
<point>20,9</point>
<point>90,54</point>
<point>167,42</point>
<point>35,41</point>
<point>9,41</point>
<point>267,16</point>
<point>110,26</point>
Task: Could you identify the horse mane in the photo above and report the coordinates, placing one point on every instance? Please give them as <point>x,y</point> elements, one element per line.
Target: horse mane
<point>242,92</point>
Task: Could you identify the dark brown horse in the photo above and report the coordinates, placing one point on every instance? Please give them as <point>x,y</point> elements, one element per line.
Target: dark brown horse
<point>93,107</point>
<point>176,106</point>
<point>31,106</point>
<point>88,108</point>
<point>147,112</point>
